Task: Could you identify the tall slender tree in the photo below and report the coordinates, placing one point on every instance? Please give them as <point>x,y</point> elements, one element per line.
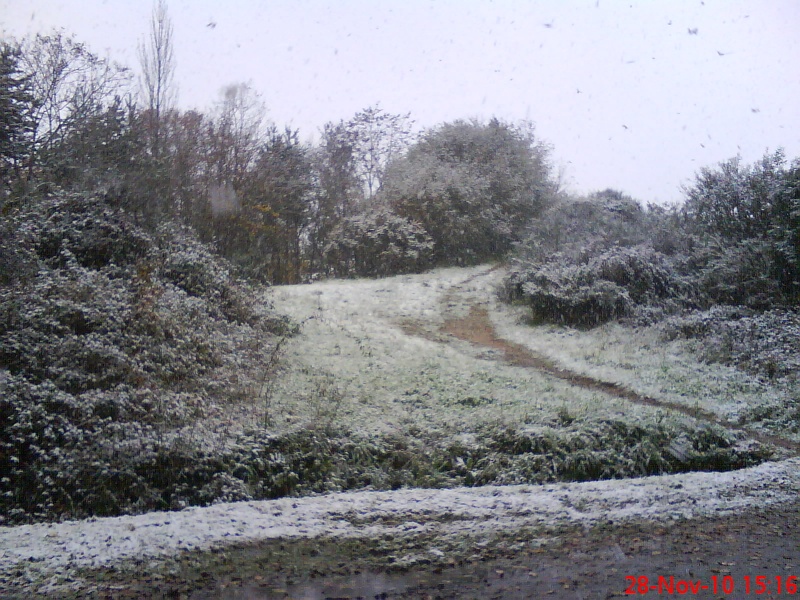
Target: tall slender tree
<point>279,203</point>
<point>236,133</point>
<point>157,82</point>
<point>15,125</point>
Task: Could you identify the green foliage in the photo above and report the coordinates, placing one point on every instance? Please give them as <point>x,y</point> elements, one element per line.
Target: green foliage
<point>15,123</point>
<point>17,257</point>
<point>737,201</point>
<point>756,208</point>
<point>273,206</point>
<point>276,210</point>
<point>112,338</point>
<point>737,273</point>
<point>583,451</point>
<point>101,150</point>
<point>83,227</point>
<point>349,168</point>
<point>472,187</point>
<point>577,228</point>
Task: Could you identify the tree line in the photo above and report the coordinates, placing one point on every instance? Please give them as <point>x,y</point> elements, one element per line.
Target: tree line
<point>369,198</point>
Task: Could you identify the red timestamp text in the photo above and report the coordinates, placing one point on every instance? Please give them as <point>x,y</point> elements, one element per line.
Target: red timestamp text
<point>757,585</point>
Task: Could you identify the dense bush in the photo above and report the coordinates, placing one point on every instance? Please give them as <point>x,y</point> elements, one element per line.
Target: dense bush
<point>84,226</point>
<point>472,186</point>
<point>103,472</point>
<point>728,255</point>
<point>766,344</point>
<point>577,228</point>
<point>592,260</point>
<point>735,242</point>
<point>114,337</point>
<point>736,273</point>
<point>605,287</point>
<point>753,208</point>
<point>17,259</point>
<point>378,243</point>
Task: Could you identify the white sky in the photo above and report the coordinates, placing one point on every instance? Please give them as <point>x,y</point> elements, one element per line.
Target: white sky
<point>625,94</point>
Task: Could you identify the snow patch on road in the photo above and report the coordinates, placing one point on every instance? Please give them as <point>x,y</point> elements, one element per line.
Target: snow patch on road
<point>462,511</point>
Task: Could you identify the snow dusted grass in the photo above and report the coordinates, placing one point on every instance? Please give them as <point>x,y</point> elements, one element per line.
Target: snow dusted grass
<point>370,360</point>
<point>641,360</point>
<point>389,382</point>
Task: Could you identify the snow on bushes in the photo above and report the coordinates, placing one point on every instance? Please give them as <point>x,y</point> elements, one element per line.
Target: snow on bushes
<point>598,289</point>
<point>594,260</point>
<point>765,344</point>
<point>737,273</point>
<point>378,243</point>
<point>87,228</point>
<point>114,337</point>
<point>587,262</point>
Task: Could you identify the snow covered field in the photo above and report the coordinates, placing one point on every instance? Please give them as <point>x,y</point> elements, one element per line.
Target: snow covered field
<point>390,381</point>
<point>355,338</point>
<point>372,359</point>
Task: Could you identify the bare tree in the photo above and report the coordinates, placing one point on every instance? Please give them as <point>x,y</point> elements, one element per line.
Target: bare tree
<point>68,83</point>
<point>377,137</point>
<point>157,61</point>
<point>236,133</point>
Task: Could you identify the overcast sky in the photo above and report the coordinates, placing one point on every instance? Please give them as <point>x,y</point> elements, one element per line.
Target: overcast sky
<point>634,95</point>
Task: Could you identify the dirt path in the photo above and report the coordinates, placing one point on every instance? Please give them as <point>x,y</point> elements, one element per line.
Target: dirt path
<point>477,329</point>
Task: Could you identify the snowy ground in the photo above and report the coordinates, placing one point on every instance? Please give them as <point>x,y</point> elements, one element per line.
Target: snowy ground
<point>355,338</point>
<point>47,550</point>
<point>389,381</point>
<point>371,358</point>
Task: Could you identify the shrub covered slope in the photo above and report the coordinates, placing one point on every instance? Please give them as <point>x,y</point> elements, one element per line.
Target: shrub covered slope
<point>110,338</point>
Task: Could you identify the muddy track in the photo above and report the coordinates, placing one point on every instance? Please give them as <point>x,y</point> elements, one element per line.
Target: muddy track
<point>477,329</point>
